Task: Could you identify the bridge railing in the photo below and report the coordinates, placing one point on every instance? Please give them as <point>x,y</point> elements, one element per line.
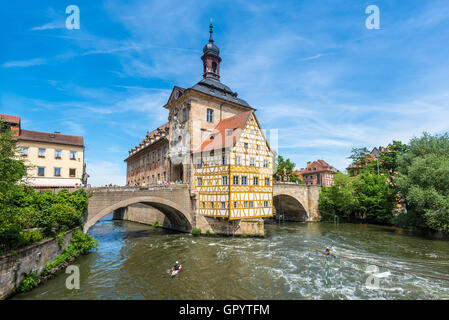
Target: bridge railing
<point>129,188</point>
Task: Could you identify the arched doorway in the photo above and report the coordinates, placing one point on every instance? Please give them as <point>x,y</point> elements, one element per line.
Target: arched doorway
<point>288,208</point>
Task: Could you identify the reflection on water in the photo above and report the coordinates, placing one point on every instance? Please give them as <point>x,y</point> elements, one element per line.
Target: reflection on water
<point>133,262</point>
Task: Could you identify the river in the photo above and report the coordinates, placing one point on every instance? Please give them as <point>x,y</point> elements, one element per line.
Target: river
<point>133,262</point>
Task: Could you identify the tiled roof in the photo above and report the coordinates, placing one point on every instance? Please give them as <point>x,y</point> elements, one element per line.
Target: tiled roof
<point>10,119</point>
<point>320,165</point>
<point>150,138</point>
<point>51,138</point>
<point>217,89</point>
<point>222,136</point>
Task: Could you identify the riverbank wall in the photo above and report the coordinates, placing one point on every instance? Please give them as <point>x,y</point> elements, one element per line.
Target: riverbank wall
<point>14,267</point>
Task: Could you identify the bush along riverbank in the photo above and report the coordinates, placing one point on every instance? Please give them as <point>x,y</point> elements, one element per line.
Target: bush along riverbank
<point>80,244</point>
<point>407,186</point>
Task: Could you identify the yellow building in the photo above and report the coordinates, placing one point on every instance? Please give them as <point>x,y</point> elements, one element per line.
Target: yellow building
<point>234,170</point>
<point>53,160</point>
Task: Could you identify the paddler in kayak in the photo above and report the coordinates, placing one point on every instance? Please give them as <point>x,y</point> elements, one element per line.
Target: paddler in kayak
<point>176,266</point>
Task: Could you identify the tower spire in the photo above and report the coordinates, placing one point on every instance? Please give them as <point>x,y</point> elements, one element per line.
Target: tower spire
<point>210,31</point>
<point>211,58</point>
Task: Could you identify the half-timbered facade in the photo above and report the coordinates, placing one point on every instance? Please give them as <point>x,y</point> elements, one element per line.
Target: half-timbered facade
<point>234,170</point>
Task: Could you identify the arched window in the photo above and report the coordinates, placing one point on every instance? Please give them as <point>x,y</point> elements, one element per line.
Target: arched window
<point>214,67</point>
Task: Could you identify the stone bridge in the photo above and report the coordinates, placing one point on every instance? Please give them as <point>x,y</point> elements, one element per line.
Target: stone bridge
<point>173,207</point>
<point>296,202</point>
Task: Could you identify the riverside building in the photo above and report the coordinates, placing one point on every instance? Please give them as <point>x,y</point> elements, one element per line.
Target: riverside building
<point>214,143</point>
<point>53,160</point>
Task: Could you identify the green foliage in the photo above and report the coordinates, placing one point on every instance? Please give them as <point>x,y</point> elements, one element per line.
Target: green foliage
<point>30,237</point>
<point>81,243</point>
<point>289,166</point>
<point>155,223</point>
<point>196,231</point>
<point>375,197</point>
<point>339,199</point>
<point>367,196</point>
<point>12,170</point>
<point>24,208</point>
<point>65,215</point>
<point>423,182</point>
<point>389,159</point>
<point>30,281</point>
<point>59,237</point>
<point>208,233</point>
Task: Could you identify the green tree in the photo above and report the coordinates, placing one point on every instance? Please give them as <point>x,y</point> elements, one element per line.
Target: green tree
<point>375,197</point>
<point>339,199</point>
<point>422,180</point>
<point>12,170</point>
<point>389,159</point>
<point>289,166</point>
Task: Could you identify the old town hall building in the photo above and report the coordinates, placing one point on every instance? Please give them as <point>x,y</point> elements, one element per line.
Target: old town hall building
<point>214,143</point>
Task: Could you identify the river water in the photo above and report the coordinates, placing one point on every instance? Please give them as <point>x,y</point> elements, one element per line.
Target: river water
<point>133,262</point>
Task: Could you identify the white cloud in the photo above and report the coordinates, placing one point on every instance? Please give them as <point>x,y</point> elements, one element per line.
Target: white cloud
<point>24,63</point>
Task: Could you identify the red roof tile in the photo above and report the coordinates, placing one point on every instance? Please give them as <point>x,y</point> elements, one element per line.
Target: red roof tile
<point>51,138</point>
<point>10,119</point>
<point>221,137</point>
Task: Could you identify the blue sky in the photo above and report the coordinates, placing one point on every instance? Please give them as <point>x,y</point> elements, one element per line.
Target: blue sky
<point>311,68</point>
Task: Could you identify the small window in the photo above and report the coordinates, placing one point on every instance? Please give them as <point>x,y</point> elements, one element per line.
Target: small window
<point>41,171</point>
<point>72,155</point>
<point>265,204</point>
<point>58,154</point>
<point>246,145</point>
<point>198,164</point>
<point>210,115</point>
<point>235,204</point>
<point>252,161</point>
<point>265,163</point>
<point>165,176</point>
<point>224,180</point>
<point>41,153</point>
<point>243,180</point>
<point>251,204</point>
<point>223,160</point>
<point>211,205</point>
<point>184,114</point>
<point>57,172</point>
<point>223,205</point>
<point>256,181</point>
<point>200,182</point>
<point>267,181</point>
<point>165,151</point>
<point>72,172</point>
<point>236,180</point>
<point>245,204</point>
<point>238,160</point>
<point>158,177</point>
<point>204,204</point>
<point>24,151</point>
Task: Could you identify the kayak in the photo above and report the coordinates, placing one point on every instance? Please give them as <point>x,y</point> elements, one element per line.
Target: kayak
<point>175,272</point>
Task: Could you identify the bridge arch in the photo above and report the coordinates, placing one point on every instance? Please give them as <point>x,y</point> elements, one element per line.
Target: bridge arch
<point>176,214</point>
<point>290,208</point>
